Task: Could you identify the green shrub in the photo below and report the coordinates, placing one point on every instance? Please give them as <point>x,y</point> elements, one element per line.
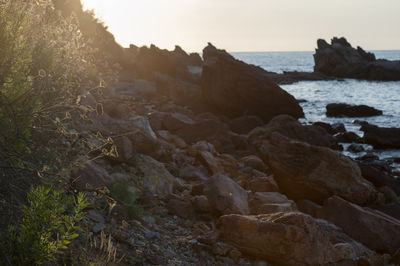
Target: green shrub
<point>127,196</point>
<point>49,224</point>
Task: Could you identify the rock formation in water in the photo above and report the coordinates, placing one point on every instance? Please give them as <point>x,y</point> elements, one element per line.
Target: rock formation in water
<point>340,59</point>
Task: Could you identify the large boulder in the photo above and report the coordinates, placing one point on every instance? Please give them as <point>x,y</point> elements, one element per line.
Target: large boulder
<point>291,128</point>
<point>381,137</point>
<point>291,239</point>
<point>372,228</point>
<point>347,110</point>
<point>226,196</point>
<point>340,59</point>
<point>303,171</point>
<point>235,88</point>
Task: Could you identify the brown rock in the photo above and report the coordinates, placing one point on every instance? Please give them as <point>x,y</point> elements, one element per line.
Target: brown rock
<point>290,239</point>
<point>213,131</point>
<point>200,204</point>
<point>191,173</point>
<point>374,229</point>
<point>124,148</point>
<point>225,195</point>
<point>309,172</point>
<point>262,184</point>
<point>211,162</point>
<point>235,88</point>
<point>291,128</point>
<point>175,121</point>
<point>156,120</point>
<point>254,162</point>
<point>156,177</point>
<point>181,208</point>
<point>270,202</point>
<point>244,124</point>
<point>308,207</point>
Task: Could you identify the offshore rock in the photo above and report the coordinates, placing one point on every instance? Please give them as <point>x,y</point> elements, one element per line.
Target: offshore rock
<point>347,110</point>
<point>340,59</point>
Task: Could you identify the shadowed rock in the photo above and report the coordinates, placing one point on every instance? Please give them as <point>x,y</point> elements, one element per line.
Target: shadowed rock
<point>303,171</point>
<point>339,59</point>
<point>291,239</point>
<point>235,88</point>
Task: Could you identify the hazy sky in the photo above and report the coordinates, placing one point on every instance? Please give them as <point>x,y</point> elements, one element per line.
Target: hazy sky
<point>251,25</point>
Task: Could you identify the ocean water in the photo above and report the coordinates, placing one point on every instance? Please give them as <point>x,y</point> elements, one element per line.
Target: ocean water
<point>317,94</point>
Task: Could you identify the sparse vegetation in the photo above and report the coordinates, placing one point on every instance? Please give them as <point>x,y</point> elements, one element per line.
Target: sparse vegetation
<point>127,196</point>
<point>47,68</point>
<point>48,226</point>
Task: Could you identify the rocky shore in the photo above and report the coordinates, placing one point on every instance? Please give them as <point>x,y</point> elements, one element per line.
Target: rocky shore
<point>214,149</point>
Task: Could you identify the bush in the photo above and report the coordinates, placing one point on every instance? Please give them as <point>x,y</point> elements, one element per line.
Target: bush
<point>127,196</point>
<point>49,224</point>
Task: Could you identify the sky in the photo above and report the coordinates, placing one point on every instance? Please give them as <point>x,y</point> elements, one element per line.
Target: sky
<point>251,25</point>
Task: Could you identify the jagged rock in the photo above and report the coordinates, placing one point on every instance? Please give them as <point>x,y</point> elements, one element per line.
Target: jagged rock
<point>381,137</point>
<point>347,110</point>
<point>270,202</point>
<point>225,195</point>
<point>175,63</point>
<point>236,88</point>
<point>372,228</point>
<point>303,171</point>
<point>291,128</point>
<point>291,239</point>
<point>341,60</point>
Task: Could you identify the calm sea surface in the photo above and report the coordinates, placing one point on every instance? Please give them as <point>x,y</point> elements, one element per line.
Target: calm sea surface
<point>381,95</point>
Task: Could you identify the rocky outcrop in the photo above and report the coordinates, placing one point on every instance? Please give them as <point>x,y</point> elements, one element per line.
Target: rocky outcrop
<point>146,60</point>
<point>340,59</point>
<point>291,239</point>
<point>303,171</point>
<point>235,88</point>
<point>291,128</point>
<point>381,137</point>
<point>372,228</point>
<point>226,196</point>
<point>347,110</point>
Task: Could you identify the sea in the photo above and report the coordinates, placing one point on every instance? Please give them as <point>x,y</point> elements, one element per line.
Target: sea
<point>315,95</point>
